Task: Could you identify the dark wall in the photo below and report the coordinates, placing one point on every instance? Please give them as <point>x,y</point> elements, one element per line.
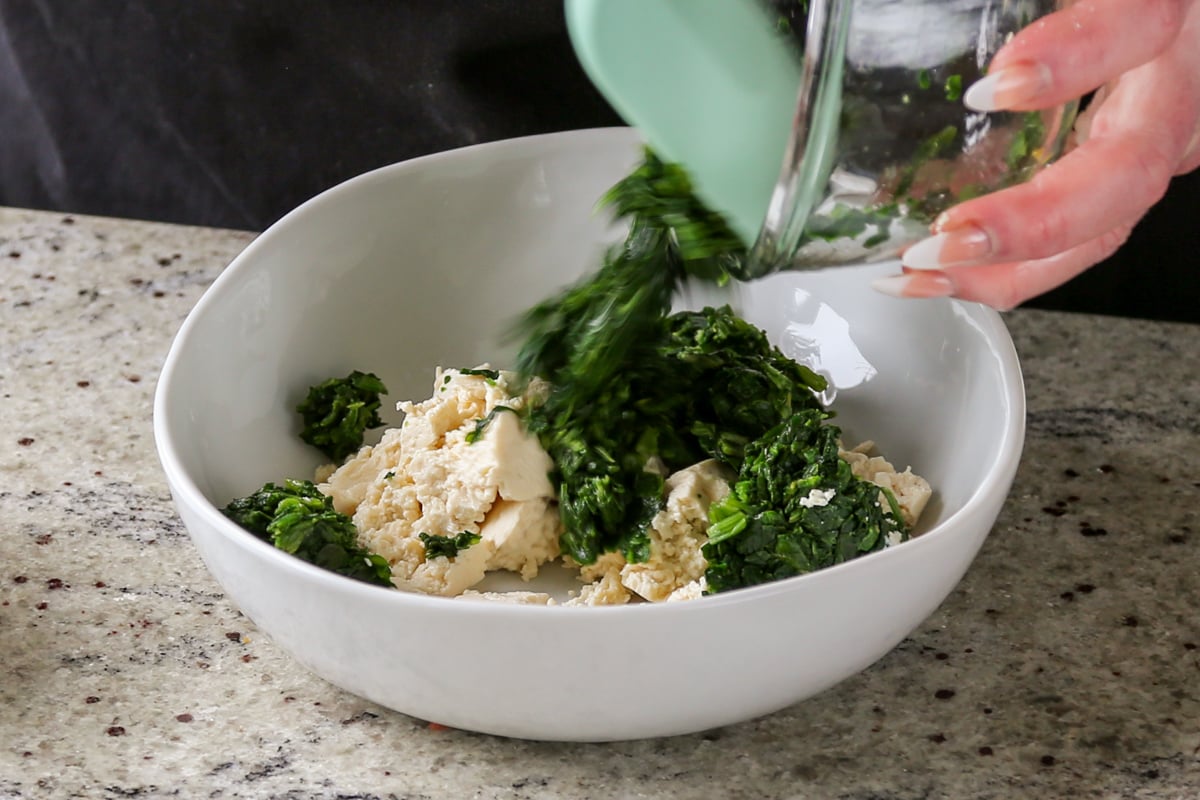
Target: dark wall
<point>228,113</point>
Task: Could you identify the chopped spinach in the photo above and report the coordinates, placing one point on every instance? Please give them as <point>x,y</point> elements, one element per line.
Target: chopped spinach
<point>490,375</point>
<point>1022,152</point>
<point>702,385</point>
<point>579,339</point>
<point>338,411</point>
<point>795,507</point>
<point>447,546</point>
<point>298,519</point>
<point>475,434</point>
<point>954,88</point>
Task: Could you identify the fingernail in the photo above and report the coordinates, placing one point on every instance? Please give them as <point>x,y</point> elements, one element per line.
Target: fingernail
<point>914,285</point>
<point>1191,148</point>
<point>1008,88</point>
<point>960,246</point>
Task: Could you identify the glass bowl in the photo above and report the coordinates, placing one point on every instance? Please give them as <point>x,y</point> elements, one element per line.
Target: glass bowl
<point>881,141</point>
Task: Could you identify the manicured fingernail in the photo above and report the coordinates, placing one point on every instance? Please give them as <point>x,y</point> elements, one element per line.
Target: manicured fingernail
<point>960,246</point>
<point>914,285</point>
<point>1008,88</point>
<point>1193,145</point>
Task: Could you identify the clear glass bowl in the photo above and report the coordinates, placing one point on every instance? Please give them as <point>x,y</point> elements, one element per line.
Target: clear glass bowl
<point>881,141</point>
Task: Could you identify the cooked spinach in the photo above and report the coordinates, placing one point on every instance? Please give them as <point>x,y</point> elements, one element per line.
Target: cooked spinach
<point>795,507</point>
<point>447,546</point>
<point>337,412</point>
<point>298,519</point>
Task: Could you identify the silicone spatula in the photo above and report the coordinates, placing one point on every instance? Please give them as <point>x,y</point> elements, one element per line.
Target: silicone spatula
<point>711,84</point>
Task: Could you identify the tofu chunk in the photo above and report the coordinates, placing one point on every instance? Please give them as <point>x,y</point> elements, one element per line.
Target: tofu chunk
<point>435,475</point>
<point>911,491</point>
<point>676,566</point>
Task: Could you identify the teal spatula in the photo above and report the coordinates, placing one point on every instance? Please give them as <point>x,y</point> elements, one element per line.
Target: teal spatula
<point>711,84</point>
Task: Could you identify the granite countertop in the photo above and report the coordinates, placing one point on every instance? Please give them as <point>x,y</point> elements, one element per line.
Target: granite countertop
<point>1064,665</point>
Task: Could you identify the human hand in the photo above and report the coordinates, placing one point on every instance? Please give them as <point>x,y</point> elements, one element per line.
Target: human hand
<point>1141,129</point>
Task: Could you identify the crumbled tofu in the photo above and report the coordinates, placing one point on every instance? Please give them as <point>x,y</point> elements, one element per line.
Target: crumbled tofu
<point>676,566</point>
<point>511,598</point>
<point>605,591</point>
<point>677,533</point>
<point>426,477</point>
<point>606,563</point>
<point>911,491</point>
<point>521,467</point>
<point>523,533</point>
<point>441,575</point>
<point>689,591</point>
<point>817,498</point>
<point>349,484</point>
<point>323,472</point>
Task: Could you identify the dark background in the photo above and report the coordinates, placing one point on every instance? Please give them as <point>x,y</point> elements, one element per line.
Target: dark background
<point>228,113</point>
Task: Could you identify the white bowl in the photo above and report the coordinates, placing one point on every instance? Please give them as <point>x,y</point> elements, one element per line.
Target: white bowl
<point>424,263</point>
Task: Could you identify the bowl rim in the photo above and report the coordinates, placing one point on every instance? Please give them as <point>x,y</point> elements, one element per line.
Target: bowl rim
<point>997,477</point>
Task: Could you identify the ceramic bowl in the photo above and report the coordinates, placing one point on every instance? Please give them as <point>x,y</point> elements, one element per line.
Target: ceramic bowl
<point>425,263</point>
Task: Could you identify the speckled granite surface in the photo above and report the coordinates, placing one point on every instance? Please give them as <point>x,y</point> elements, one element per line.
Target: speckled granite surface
<point>1066,664</point>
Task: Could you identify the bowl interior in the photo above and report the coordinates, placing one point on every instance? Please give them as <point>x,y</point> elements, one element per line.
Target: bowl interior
<point>428,262</point>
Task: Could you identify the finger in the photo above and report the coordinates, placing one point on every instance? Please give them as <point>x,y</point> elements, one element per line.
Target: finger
<point>1004,286</point>
<point>1191,33</point>
<point>1083,120</point>
<point>1056,211</point>
<point>1138,138</point>
<point>1072,52</point>
<point>1191,159</point>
